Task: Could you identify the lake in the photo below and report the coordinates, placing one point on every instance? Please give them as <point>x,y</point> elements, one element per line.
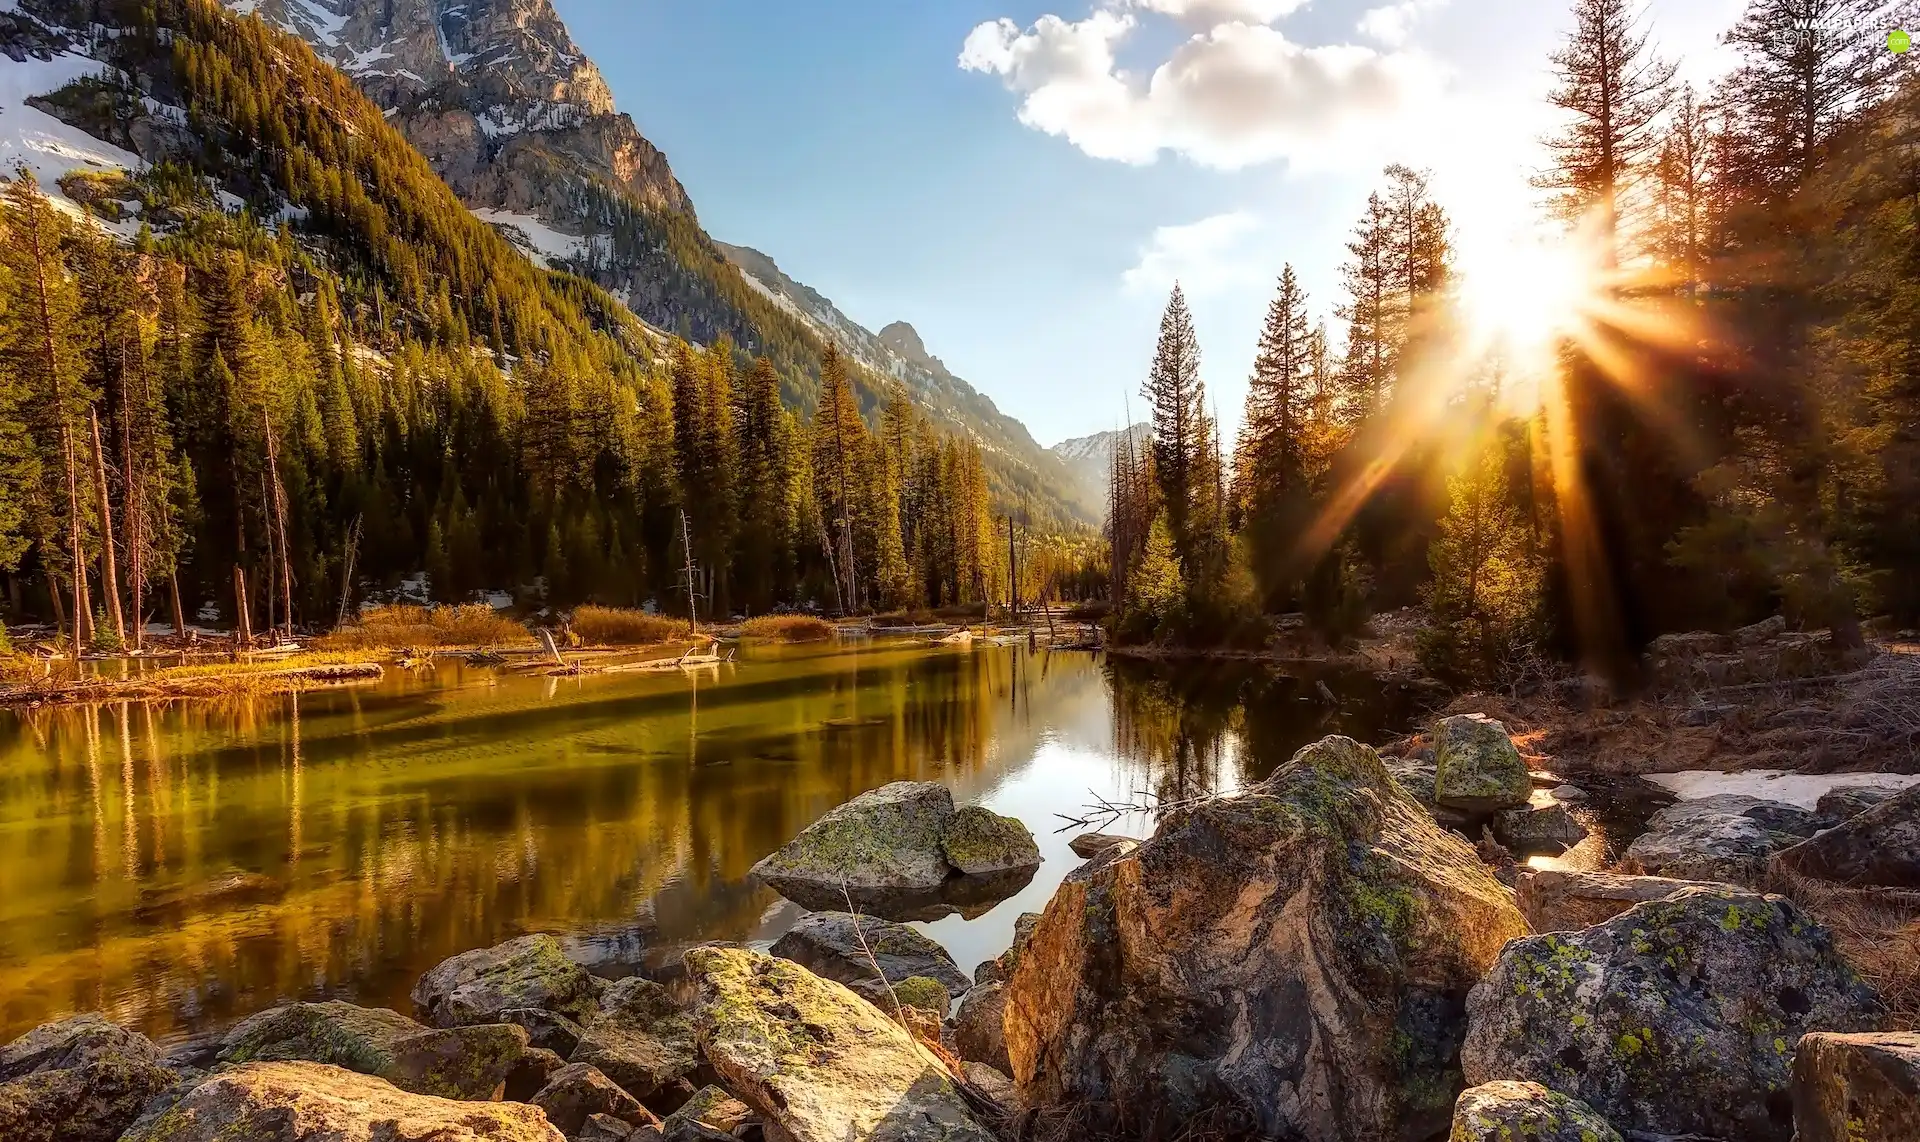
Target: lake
<point>177,866</point>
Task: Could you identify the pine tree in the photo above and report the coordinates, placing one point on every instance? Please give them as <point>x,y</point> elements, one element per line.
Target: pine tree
<point>1177,398</point>
<point>1366,371</point>
<point>1616,91</point>
<point>1686,201</point>
<point>1271,457</point>
<point>839,447</point>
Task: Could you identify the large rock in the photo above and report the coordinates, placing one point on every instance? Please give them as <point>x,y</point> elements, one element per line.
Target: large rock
<point>888,850</point>
<point>1721,839</point>
<point>1678,1016</point>
<point>480,986</point>
<point>459,1062</point>
<point>816,1061</point>
<point>546,1030</point>
<point>576,1092</point>
<point>1302,949</point>
<point>1852,1087</point>
<point>644,1041</point>
<point>1477,769</point>
<point>711,1115</point>
<point>1088,844</point>
<point>1557,901</point>
<point>470,1062</point>
<point>829,944</point>
<point>312,1102</point>
<point>1525,1112</point>
<point>979,1028</point>
<point>1877,848</point>
<point>1542,828</point>
<point>1846,801</point>
<point>79,1080</point>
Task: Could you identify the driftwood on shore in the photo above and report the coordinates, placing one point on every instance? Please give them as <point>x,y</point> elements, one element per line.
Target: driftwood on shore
<point>194,686</point>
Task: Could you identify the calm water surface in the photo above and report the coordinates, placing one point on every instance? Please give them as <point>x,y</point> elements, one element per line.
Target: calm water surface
<point>178,866</point>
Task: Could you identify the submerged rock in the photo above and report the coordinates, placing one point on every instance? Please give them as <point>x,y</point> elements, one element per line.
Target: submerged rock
<point>482,985</point>
<point>577,1092</point>
<point>1852,1087</point>
<point>312,1102</point>
<point>1476,767</point>
<point>888,850</point>
<point>1878,848</point>
<point>1557,901</point>
<point>1302,951</point>
<point>79,1080</point>
<point>1512,1112</point>
<point>816,1061</point>
<point>829,944</point>
<point>1679,1016</point>
<point>644,1041</point>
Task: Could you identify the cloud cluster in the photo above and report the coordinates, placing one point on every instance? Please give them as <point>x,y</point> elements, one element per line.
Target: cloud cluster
<point>1205,256</point>
<point>1393,24</point>
<point>1235,93</point>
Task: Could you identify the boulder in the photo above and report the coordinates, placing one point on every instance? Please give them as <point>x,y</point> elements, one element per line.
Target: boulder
<point>577,1092</point>
<point>918,993</point>
<point>817,1062</point>
<point>535,1068</point>
<point>79,1080</point>
<point>994,1084</point>
<point>1845,801</point>
<point>711,1115</point>
<point>979,1035</point>
<point>313,1102</point>
<point>1715,838</point>
<point>338,1034</point>
<point>829,944</point>
<point>888,849</point>
<point>980,842</point>
<point>1476,767</point>
<point>606,1128</point>
<point>1547,828</point>
<point>1087,844</point>
<point>482,985</point>
<point>545,1029</point>
<point>470,1063</point>
<point>1678,1016</point>
<point>642,1040</point>
<point>1510,1112</point>
<point>1557,901</point>
<point>1001,966</point>
<point>1300,951</point>
<point>1878,848</point>
<point>1852,1087</point>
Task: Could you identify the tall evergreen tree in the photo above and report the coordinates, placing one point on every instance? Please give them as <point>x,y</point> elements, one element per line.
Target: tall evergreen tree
<point>1177,398</point>
<point>1366,370</point>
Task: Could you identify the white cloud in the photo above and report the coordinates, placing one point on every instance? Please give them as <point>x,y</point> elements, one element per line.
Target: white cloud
<point>1235,95</point>
<point>1392,24</point>
<point>1208,256</point>
<point>1213,13</point>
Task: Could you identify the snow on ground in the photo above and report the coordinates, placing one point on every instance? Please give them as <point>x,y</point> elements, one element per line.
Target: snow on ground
<point>31,138</point>
<point>1802,789</point>
<point>534,236</point>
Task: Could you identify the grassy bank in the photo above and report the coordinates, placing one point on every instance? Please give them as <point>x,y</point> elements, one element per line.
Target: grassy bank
<point>214,679</point>
<point>787,628</point>
<point>402,627</point>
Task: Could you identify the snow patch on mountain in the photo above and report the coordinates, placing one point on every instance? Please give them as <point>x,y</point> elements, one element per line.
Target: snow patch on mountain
<point>32,139</point>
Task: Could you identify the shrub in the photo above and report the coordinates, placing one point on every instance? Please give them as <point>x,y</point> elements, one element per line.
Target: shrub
<point>619,626</point>
<point>400,626</point>
<point>787,628</point>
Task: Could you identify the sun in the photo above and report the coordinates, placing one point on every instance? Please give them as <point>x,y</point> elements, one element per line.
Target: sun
<point>1521,299</point>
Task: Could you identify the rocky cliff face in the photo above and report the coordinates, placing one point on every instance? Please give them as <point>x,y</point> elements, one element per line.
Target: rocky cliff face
<point>1089,459</point>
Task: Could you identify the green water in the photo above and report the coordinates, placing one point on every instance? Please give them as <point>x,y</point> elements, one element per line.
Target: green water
<point>177,866</point>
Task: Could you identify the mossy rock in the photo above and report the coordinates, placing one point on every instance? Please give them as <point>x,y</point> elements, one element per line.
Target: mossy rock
<point>468,1064</point>
<point>482,985</point>
<point>1511,1111</point>
<point>1477,768</point>
<point>923,993</point>
<point>79,1080</point>
<point>978,841</point>
<point>887,838</point>
<point>339,1034</point>
<point>838,947</point>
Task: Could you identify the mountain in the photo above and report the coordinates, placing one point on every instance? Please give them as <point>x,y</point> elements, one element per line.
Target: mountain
<point>1090,458</point>
<point>520,123</point>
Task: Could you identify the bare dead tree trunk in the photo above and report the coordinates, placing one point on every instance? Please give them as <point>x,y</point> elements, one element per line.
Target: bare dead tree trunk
<point>280,521</point>
<point>179,612</point>
<point>76,543</point>
<point>243,632</point>
<point>109,572</point>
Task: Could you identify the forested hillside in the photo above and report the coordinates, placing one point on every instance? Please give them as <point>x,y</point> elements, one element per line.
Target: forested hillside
<point>1699,408</point>
<point>285,356</point>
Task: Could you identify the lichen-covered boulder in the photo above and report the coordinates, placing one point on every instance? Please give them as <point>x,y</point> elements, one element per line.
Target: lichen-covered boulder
<point>709,1116</point>
<point>817,1062</point>
<point>979,842</point>
<point>313,1102</point>
<point>1538,828</point>
<point>338,1034</point>
<point>471,1063</point>
<point>481,985</point>
<point>829,944</point>
<point>577,1091</point>
<point>79,1080</point>
<point>1302,949</point>
<point>919,993</point>
<point>1843,802</point>
<point>642,1040</point>
<point>1710,839</point>
<point>1678,1016</point>
<point>886,838</point>
<point>1852,1087</point>
<point>1553,900</point>
<point>1877,848</point>
<point>1525,1112</point>
<point>545,1029</point>
<point>1477,769</point>
<point>979,1034</point>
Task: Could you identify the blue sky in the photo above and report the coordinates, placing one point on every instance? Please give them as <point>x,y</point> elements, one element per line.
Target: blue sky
<point>1027,211</point>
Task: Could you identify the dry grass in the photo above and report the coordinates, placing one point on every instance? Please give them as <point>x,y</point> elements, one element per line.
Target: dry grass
<point>616,626</point>
<point>401,627</point>
<point>1877,931</point>
<point>787,628</point>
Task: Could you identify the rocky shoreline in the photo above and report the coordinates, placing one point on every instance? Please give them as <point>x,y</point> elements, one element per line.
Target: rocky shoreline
<point>1323,956</point>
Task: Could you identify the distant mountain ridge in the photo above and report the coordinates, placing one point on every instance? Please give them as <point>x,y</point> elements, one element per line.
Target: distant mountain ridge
<point>1090,458</point>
